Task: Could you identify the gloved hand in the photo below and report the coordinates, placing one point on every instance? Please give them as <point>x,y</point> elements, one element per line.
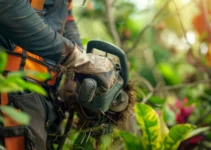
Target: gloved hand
<point>97,67</point>
<point>95,76</point>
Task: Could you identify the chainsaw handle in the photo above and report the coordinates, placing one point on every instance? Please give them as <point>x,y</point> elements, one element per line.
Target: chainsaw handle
<point>109,48</point>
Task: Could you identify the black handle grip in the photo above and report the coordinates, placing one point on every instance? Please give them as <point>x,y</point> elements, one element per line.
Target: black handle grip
<point>109,48</point>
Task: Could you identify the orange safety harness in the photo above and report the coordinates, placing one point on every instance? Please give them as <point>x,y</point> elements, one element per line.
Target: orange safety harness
<point>20,59</point>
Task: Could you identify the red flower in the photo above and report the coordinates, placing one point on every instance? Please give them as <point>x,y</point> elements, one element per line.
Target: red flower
<point>182,110</point>
<point>195,139</point>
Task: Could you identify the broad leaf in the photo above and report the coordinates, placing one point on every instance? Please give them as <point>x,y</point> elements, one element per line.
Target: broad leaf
<point>26,85</point>
<point>157,100</point>
<point>8,86</point>
<point>163,128</point>
<point>169,73</point>
<point>169,116</point>
<point>37,75</point>
<point>34,88</point>
<point>131,141</point>
<point>16,115</point>
<point>150,125</point>
<point>197,131</point>
<point>176,135</point>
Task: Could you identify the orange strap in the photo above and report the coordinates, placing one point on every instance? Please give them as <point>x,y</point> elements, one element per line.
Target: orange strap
<point>11,143</point>
<point>70,18</point>
<point>70,5</point>
<point>32,63</point>
<point>37,4</point>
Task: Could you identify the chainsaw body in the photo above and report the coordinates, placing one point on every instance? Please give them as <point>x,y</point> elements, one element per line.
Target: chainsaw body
<point>112,97</point>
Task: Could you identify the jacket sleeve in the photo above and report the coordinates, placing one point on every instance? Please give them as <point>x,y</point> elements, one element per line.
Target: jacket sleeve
<point>71,30</point>
<point>21,24</point>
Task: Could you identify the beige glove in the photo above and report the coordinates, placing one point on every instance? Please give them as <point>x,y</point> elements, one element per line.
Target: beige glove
<point>81,62</point>
<point>98,67</point>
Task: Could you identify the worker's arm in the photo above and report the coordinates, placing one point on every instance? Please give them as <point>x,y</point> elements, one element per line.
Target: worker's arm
<point>71,31</point>
<point>20,23</point>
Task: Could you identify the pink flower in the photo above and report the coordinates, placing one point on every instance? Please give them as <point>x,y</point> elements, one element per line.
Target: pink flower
<point>195,139</point>
<point>182,110</point>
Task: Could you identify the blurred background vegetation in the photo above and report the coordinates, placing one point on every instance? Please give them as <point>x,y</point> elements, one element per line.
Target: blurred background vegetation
<point>167,43</point>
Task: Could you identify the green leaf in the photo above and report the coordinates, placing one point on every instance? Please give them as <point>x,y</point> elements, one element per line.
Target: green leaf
<point>107,141</point>
<point>169,73</point>
<point>37,75</point>
<point>168,116</point>
<point>176,135</point>
<point>2,119</point>
<point>8,85</point>
<point>150,125</point>
<point>3,60</point>
<point>2,148</point>
<point>35,88</point>
<point>157,100</point>
<point>197,131</point>
<point>163,128</point>
<point>131,141</point>
<point>16,115</point>
<point>27,85</point>
<point>14,83</point>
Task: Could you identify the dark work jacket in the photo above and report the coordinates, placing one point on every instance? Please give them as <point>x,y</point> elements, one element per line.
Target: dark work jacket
<point>20,24</point>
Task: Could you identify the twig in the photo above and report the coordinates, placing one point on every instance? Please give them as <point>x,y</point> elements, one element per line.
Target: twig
<point>206,17</point>
<point>113,2</point>
<point>203,117</point>
<point>146,82</point>
<point>111,21</point>
<point>171,14</point>
<point>147,97</point>
<point>138,38</point>
<point>175,87</point>
<point>150,94</point>
<point>84,2</point>
<point>181,24</point>
<point>179,86</point>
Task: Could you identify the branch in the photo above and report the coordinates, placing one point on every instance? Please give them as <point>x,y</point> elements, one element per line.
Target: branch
<point>206,18</point>
<point>113,2</point>
<point>175,87</point>
<point>147,97</point>
<point>111,21</point>
<point>171,14</point>
<point>203,117</point>
<point>181,24</point>
<point>179,86</point>
<point>138,38</point>
<point>83,2</point>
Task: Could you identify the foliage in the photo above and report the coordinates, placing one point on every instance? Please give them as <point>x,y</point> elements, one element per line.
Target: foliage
<point>151,138</point>
<point>16,115</point>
